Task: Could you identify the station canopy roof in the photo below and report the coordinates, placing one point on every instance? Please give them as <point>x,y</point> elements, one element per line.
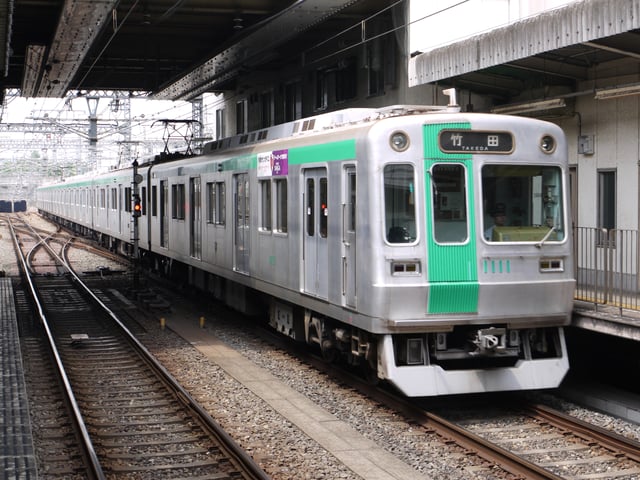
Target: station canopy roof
<point>178,49</point>
<point>562,53</point>
<point>175,49</point>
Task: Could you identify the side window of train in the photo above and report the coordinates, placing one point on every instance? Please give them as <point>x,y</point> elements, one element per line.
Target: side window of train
<point>143,197</point>
<point>265,205</point>
<point>178,201</point>
<point>127,199</point>
<point>154,200</point>
<point>399,203</point>
<point>351,205</point>
<point>324,209</point>
<point>114,199</point>
<point>448,188</point>
<point>216,203</point>
<point>311,207</point>
<point>280,201</point>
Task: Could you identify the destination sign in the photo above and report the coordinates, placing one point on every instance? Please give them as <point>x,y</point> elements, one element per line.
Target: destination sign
<point>473,141</point>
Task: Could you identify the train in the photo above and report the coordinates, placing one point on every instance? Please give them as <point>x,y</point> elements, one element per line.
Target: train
<point>9,206</point>
<point>369,234</point>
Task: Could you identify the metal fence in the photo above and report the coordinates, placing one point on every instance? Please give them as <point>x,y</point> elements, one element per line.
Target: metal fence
<point>606,267</point>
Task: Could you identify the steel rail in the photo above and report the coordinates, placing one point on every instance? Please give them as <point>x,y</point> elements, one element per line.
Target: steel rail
<point>251,468</point>
<point>483,448</point>
<point>606,438</point>
<point>94,469</point>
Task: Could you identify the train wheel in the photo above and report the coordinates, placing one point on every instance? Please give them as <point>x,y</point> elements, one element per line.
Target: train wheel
<point>330,354</point>
<point>369,373</point>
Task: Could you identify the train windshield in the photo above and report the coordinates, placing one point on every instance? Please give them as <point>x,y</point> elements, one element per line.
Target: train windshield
<point>522,203</point>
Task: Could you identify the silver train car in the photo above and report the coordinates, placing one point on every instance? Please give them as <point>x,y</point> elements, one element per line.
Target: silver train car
<point>368,234</point>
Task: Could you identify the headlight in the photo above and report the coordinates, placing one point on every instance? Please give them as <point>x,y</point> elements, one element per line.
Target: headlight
<point>399,141</point>
<point>547,144</point>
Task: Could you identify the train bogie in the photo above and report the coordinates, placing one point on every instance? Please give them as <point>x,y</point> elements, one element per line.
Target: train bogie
<point>373,240</point>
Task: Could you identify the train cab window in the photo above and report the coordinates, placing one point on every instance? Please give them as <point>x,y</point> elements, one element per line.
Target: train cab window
<point>522,203</point>
<point>399,203</point>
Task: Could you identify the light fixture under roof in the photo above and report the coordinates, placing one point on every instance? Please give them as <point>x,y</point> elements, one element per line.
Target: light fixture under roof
<point>530,106</point>
<point>617,92</point>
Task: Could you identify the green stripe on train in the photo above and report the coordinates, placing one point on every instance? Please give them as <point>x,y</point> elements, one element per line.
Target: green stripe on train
<point>323,152</point>
<point>326,152</point>
<point>453,268</point>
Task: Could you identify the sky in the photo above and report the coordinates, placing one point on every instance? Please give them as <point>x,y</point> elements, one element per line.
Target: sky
<point>436,23</point>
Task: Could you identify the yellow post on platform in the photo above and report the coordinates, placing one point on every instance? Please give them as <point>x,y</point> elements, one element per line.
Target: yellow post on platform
<point>201,322</point>
<point>163,322</point>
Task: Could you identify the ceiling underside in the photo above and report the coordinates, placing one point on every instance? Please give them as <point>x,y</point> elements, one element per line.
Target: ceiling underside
<point>181,48</point>
<point>54,46</point>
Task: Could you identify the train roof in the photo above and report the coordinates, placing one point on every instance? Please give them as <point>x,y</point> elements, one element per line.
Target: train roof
<point>322,122</point>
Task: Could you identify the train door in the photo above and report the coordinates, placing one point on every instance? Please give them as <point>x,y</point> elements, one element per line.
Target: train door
<point>164,211</point>
<point>349,238</point>
<point>315,256</point>
<point>195,218</point>
<point>242,225</point>
<point>451,248</point>
<point>451,228</point>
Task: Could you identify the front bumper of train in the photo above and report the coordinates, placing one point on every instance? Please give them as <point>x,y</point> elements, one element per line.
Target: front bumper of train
<point>432,380</point>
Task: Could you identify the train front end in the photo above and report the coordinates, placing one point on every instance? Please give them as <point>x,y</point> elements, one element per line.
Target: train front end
<point>487,219</point>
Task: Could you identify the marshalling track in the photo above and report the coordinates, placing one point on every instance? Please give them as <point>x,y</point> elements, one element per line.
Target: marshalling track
<point>130,417</point>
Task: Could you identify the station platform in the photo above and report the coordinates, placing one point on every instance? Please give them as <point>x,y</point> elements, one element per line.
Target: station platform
<point>16,442</point>
<point>606,319</point>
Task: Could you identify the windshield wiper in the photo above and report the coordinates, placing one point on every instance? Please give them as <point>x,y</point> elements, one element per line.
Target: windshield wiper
<point>546,237</point>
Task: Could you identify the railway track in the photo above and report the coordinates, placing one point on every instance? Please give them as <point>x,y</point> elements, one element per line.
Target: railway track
<point>563,445</point>
<point>130,419</point>
<point>496,439</point>
<point>510,436</point>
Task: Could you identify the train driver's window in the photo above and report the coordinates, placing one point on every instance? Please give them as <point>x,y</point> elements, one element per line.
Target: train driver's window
<point>527,200</point>
<point>399,204</point>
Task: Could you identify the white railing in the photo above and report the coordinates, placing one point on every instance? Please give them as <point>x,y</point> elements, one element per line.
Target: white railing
<point>606,267</point>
